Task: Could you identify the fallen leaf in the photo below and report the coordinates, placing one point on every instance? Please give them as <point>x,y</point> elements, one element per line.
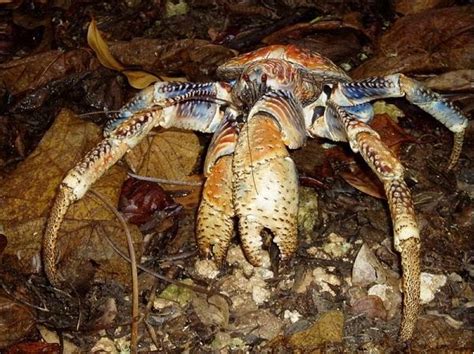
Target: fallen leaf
<point>137,79</point>
<point>371,306</point>
<point>16,321</point>
<point>328,328</point>
<point>169,154</point>
<point>196,58</point>
<point>458,80</point>
<point>34,347</point>
<point>178,294</point>
<point>35,71</point>
<point>408,7</point>
<point>367,269</point>
<point>437,40</point>
<point>24,211</point>
<point>212,311</point>
<point>435,335</point>
<point>141,79</point>
<point>101,49</point>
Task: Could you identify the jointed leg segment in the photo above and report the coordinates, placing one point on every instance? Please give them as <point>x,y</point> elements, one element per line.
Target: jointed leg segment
<point>163,104</point>
<point>399,85</point>
<point>406,234</point>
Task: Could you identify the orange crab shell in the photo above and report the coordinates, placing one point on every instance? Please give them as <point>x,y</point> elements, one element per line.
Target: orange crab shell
<point>311,61</point>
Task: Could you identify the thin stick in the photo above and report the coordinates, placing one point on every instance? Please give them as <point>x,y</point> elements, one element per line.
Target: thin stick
<point>196,288</point>
<point>165,181</point>
<point>133,266</point>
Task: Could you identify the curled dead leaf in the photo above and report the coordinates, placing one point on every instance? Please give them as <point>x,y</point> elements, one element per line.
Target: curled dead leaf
<point>101,49</point>
<point>137,79</point>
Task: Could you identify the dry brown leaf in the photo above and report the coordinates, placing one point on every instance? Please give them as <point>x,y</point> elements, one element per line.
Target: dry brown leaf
<point>137,79</point>
<point>371,306</point>
<point>196,58</point>
<point>407,7</point>
<point>23,210</point>
<point>101,48</point>
<point>37,70</point>
<point>140,79</point>
<point>170,154</point>
<point>436,40</point>
<point>16,321</point>
<point>329,328</point>
<point>212,311</point>
<point>458,80</point>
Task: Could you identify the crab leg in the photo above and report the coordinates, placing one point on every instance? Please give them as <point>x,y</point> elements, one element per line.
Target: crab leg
<point>406,234</point>
<point>399,85</point>
<point>214,224</point>
<point>265,178</point>
<point>194,107</point>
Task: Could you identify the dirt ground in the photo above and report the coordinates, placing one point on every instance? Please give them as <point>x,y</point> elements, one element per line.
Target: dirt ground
<point>339,293</point>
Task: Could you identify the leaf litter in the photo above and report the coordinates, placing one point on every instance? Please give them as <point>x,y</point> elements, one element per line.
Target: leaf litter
<point>316,303</point>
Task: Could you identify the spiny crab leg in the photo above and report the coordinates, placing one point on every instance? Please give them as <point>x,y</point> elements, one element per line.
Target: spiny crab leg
<point>85,173</point>
<point>406,234</point>
<point>183,105</point>
<point>399,85</point>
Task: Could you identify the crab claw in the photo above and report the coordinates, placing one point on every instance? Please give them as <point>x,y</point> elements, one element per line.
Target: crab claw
<point>265,189</point>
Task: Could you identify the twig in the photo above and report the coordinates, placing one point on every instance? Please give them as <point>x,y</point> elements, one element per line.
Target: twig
<point>165,181</point>
<point>133,265</point>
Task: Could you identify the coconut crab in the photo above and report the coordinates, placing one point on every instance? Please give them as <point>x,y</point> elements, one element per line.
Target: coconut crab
<point>269,100</point>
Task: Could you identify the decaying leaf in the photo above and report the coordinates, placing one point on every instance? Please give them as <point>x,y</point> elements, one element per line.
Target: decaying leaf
<point>23,211</point>
<point>436,40</point>
<point>101,49</point>
<point>371,306</point>
<point>458,80</point>
<point>137,79</point>
<point>435,334</point>
<point>329,328</point>
<point>212,311</point>
<point>407,7</point>
<point>168,154</point>
<point>368,269</point>
<point>34,71</point>
<point>197,58</point>
<point>16,321</point>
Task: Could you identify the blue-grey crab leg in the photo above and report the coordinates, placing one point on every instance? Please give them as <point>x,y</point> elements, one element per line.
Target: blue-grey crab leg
<point>399,85</point>
<point>389,170</point>
<point>215,224</point>
<point>196,107</point>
